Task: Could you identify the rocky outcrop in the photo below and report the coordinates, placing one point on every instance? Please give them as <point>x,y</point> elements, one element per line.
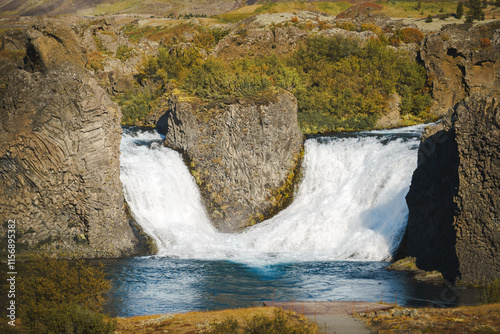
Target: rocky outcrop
<point>52,45</point>
<point>59,154</point>
<point>454,198</point>
<point>244,41</point>
<point>461,63</point>
<point>244,156</point>
<point>257,36</point>
<point>112,57</point>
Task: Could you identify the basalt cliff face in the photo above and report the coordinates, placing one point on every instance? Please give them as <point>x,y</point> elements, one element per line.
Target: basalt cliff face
<point>454,198</point>
<point>244,156</point>
<point>59,153</point>
<point>462,63</point>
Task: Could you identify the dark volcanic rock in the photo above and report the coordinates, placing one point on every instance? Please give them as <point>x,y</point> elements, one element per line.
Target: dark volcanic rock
<point>59,154</point>
<point>454,198</point>
<point>478,200</point>
<point>244,156</point>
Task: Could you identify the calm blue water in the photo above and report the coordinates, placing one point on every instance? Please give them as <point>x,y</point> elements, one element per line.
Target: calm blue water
<point>158,285</point>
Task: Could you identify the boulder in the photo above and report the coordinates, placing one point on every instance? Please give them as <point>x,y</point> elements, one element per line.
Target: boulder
<point>53,45</point>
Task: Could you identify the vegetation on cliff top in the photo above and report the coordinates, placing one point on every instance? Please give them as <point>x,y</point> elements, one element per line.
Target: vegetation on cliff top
<point>339,84</point>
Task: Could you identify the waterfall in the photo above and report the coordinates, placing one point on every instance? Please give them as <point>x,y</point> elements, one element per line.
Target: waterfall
<point>350,203</point>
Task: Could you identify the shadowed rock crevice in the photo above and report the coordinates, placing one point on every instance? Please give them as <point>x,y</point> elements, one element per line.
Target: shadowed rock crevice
<point>454,198</point>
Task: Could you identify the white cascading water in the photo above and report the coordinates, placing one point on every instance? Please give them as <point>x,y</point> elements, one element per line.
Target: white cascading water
<point>350,203</point>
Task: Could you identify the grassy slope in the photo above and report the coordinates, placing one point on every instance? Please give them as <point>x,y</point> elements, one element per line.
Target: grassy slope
<point>193,322</point>
<point>164,7</point>
<point>107,7</point>
<point>411,8</point>
<point>330,8</point>
<point>209,7</point>
<point>469,319</point>
<point>466,319</point>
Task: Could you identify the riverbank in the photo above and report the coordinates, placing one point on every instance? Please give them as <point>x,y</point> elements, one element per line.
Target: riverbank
<point>465,319</point>
<point>206,322</point>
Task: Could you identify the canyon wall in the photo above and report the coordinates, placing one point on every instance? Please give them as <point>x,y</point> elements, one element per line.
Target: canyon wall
<point>59,153</point>
<point>454,198</point>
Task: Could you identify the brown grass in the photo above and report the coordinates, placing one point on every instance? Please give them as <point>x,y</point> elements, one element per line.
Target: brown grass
<point>192,322</point>
<point>466,319</point>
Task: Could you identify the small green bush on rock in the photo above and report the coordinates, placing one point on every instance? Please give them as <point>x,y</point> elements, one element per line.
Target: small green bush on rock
<point>491,293</point>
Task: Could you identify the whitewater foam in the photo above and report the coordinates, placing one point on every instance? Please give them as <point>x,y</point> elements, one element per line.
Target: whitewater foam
<point>350,203</point>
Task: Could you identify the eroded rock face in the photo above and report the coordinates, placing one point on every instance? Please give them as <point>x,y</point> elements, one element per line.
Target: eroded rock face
<point>262,41</point>
<point>59,154</point>
<point>461,63</point>
<point>52,45</point>
<point>454,199</point>
<point>244,156</point>
<point>258,42</point>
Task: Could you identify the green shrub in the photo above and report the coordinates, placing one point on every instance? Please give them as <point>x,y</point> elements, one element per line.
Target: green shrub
<point>491,293</point>
<point>475,11</point>
<point>339,84</point>
<point>215,80</point>
<point>350,84</point>
<point>226,326</point>
<point>170,64</point>
<point>282,322</point>
<point>52,317</point>
<point>124,53</point>
<point>460,10</point>
<point>137,105</point>
<point>56,297</point>
<point>209,37</point>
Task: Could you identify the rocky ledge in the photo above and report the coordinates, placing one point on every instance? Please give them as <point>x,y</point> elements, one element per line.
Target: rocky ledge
<point>244,156</point>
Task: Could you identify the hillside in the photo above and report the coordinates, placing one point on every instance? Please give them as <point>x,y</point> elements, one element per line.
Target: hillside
<point>232,9</point>
<point>107,7</point>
